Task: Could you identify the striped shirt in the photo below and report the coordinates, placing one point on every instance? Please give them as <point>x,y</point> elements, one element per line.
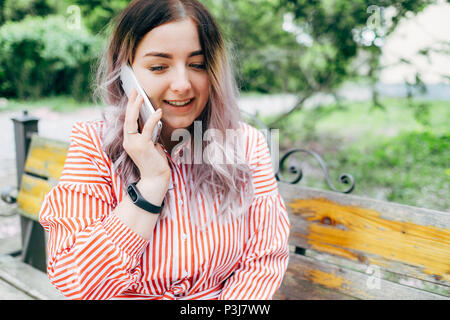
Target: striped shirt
<point>92,254</point>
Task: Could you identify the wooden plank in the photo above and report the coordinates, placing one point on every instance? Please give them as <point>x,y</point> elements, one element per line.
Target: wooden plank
<point>46,158</point>
<point>348,282</point>
<point>359,232</point>
<point>388,210</point>
<point>295,287</point>
<point>382,273</point>
<point>27,279</point>
<point>31,195</point>
<point>9,292</point>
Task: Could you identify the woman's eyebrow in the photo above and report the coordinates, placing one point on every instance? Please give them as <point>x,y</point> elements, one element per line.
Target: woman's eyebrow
<point>169,56</point>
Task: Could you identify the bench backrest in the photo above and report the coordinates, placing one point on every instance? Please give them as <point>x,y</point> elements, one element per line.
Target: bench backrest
<point>364,248</point>
<point>342,246</point>
<point>43,167</point>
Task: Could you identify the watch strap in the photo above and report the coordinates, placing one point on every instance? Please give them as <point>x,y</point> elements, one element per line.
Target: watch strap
<point>139,200</point>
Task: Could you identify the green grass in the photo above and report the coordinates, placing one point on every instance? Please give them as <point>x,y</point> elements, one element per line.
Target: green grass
<point>391,155</point>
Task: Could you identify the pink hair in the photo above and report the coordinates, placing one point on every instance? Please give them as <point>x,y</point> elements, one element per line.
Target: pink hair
<point>226,187</point>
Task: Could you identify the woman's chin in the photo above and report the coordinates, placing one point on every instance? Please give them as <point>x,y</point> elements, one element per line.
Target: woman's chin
<point>169,127</point>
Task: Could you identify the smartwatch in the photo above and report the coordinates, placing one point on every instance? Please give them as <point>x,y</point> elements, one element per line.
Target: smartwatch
<point>138,200</point>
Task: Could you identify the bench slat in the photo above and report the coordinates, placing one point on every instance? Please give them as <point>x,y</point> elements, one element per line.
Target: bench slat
<point>9,292</point>
<point>388,210</point>
<point>43,167</point>
<point>296,286</point>
<point>351,283</point>
<point>368,231</point>
<point>31,195</point>
<point>383,273</point>
<point>32,283</point>
<point>46,157</point>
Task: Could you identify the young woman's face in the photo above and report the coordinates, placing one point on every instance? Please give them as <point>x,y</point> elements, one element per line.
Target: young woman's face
<point>170,67</point>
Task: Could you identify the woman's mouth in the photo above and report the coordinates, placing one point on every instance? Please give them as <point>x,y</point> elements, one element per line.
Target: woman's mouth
<point>179,103</point>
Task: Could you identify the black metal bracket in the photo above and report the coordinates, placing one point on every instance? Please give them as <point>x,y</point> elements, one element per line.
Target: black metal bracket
<point>344,178</point>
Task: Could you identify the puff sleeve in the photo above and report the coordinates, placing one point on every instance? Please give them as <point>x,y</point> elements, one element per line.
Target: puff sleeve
<point>91,253</point>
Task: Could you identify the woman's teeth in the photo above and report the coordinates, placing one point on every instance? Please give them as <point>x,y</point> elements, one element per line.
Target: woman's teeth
<point>179,103</point>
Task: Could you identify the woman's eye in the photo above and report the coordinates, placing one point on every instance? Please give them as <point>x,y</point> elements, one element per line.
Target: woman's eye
<point>200,66</point>
<point>157,68</point>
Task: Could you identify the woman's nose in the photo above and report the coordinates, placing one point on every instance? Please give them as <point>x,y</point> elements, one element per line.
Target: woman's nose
<point>181,82</point>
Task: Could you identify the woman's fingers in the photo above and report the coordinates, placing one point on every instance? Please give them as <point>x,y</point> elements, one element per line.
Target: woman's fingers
<point>132,112</point>
<point>150,124</point>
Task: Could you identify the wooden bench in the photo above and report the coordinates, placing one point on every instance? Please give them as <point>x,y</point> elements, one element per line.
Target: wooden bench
<point>349,247</point>
<point>342,246</point>
<point>43,167</point>
<point>20,281</point>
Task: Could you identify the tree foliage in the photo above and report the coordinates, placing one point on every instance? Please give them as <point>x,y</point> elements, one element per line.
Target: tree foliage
<point>307,47</point>
<point>98,13</point>
<point>302,47</point>
<point>16,10</point>
<point>41,56</point>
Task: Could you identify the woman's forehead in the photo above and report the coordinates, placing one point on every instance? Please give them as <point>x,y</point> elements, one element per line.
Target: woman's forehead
<point>172,38</point>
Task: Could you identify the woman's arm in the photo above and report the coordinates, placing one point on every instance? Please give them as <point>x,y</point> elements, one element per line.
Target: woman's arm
<point>152,164</point>
<point>92,254</point>
<point>95,241</point>
<point>140,221</point>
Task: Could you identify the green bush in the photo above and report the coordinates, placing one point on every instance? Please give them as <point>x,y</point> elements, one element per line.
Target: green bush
<point>411,168</point>
<point>42,56</point>
<point>16,10</point>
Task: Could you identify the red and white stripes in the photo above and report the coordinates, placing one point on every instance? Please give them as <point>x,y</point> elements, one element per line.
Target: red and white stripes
<point>93,255</point>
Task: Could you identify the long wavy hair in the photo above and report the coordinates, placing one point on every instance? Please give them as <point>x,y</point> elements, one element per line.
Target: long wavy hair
<point>225,187</point>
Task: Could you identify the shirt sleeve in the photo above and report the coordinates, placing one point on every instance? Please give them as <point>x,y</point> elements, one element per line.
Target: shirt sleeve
<point>91,253</point>
<point>264,263</point>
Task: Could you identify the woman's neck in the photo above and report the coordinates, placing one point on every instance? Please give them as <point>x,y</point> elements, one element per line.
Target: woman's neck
<point>165,138</point>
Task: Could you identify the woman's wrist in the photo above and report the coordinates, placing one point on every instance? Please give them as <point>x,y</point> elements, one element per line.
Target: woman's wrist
<point>153,190</point>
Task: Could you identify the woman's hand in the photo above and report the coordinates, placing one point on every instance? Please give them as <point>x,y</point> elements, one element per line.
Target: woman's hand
<point>150,158</point>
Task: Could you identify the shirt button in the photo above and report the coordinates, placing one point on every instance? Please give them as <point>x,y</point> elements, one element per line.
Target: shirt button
<point>180,202</point>
<point>184,236</point>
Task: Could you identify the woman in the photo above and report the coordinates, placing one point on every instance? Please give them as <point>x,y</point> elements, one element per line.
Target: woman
<point>223,228</point>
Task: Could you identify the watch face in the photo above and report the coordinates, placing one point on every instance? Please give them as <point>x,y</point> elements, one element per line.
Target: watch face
<point>132,193</point>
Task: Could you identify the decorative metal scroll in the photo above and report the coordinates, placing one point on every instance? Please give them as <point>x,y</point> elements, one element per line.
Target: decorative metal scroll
<point>344,178</point>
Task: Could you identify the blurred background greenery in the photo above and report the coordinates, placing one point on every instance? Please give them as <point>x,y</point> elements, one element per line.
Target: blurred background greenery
<point>396,146</point>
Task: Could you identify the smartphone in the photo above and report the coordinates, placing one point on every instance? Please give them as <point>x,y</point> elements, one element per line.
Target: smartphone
<point>130,82</point>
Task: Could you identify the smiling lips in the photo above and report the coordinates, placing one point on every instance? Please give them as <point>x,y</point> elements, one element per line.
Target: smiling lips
<point>179,103</point>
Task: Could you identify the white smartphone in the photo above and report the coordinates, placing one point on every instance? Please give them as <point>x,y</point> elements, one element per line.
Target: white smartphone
<point>130,82</point>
